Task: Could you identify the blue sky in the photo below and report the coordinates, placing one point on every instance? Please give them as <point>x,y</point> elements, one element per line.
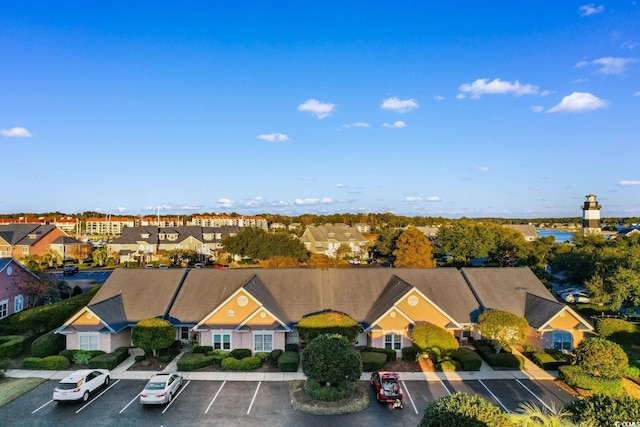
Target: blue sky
<point>419,108</point>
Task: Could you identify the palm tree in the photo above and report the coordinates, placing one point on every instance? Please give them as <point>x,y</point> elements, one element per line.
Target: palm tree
<point>531,415</point>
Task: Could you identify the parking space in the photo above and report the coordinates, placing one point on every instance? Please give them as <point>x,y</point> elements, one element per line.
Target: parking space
<point>249,403</point>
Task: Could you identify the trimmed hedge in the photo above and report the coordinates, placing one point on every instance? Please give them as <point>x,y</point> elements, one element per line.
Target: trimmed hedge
<point>619,331</point>
<point>11,346</point>
<point>52,363</point>
<point>409,354</point>
<point>499,360</point>
<point>328,322</point>
<point>80,356</point>
<point>244,364</point>
<point>240,353</point>
<point>191,361</point>
<point>288,361</point>
<point>390,353</point>
<point>218,356</point>
<point>576,377</point>
<point>469,360</point>
<point>274,355</point>
<point>550,359</point>
<point>292,347</point>
<point>372,361</point>
<point>449,365</point>
<point>204,349</point>
<point>109,360</point>
<point>48,344</point>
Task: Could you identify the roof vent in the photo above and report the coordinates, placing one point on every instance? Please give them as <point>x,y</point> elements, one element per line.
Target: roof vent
<point>521,288</point>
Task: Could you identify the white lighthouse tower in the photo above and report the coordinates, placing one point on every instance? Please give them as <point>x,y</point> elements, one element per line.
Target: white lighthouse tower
<point>591,216</point>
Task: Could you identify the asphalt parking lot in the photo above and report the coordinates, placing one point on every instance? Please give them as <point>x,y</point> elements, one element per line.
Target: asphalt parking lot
<point>95,276</point>
<point>251,403</point>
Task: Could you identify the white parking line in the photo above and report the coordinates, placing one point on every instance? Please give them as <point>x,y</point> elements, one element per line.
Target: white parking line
<point>534,395</point>
<point>406,390</point>
<point>129,404</point>
<point>216,396</point>
<point>254,397</point>
<point>445,387</point>
<point>174,397</point>
<point>93,400</point>
<point>42,406</point>
<point>495,397</point>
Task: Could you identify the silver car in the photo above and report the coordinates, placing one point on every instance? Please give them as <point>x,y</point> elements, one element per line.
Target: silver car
<point>161,388</point>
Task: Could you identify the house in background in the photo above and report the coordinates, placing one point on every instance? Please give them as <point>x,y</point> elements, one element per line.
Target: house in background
<point>327,240</point>
<point>527,230</point>
<point>66,247</point>
<point>20,240</point>
<point>11,298</point>
<point>259,309</point>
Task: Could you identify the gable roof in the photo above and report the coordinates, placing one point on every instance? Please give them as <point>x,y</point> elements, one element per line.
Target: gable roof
<point>338,233</point>
<point>5,262</point>
<point>18,234</point>
<point>111,312</point>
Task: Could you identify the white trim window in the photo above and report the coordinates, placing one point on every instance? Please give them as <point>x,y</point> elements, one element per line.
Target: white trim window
<point>4,308</point>
<point>221,341</point>
<point>88,340</point>
<point>562,340</point>
<point>263,342</point>
<point>393,341</point>
<point>18,303</point>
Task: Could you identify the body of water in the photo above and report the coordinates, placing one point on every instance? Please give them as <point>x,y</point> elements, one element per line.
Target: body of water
<point>560,235</point>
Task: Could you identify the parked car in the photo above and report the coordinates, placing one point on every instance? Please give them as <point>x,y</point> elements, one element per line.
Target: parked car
<point>79,384</point>
<point>160,389</point>
<point>70,270</point>
<point>569,290</point>
<point>163,266</point>
<point>148,266</point>
<point>198,265</point>
<point>386,386</point>
<point>576,297</point>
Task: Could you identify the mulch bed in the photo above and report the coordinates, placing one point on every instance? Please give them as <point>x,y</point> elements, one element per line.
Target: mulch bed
<point>156,365</point>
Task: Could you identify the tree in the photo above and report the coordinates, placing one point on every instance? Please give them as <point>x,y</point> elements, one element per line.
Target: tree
<point>437,341</point>
<point>503,327</point>
<point>330,359</point>
<point>257,244</point>
<point>325,262</point>
<point>80,251</point>
<point>531,415</point>
<point>462,410</point>
<point>34,288</point>
<point>600,409</point>
<point>413,250</point>
<point>280,262</point>
<point>100,256</point>
<point>182,257</point>
<point>600,357</point>
<point>386,241</point>
<point>50,259</point>
<point>343,251</point>
<point>153,334</point>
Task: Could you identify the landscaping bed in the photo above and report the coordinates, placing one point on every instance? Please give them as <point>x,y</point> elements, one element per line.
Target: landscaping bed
<point>357,401</point>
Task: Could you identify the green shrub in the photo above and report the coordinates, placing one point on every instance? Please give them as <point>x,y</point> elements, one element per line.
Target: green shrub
<point>291,347</point>
<point>165,358</point>
<point>506,360</point>
<point>288,361</point>
<point>190,361</point>
<point>218,356</point>
<point>462,410</point>
<point>390,353</point>
<point>372,361</point>
<point>550,359</point>
<point>204,349</point>
<point>331,358</point>
<point>145,363</point>
<point>5,364</point>
<point>619,331</point>
<point>328,322</point>
<point>244,364</point>
<point>172,351</point>
<point>601,410</point>
<point>409,354</point>
<point>274,355</point>
<point>469,360</point>
<point>140,358</point>
<point>263,355</point>
<point>601,358</point>
<point>11,346</point>
<point>240,353</point>
<point>528,348</point>
<point>633,370</point>
<point>53,363</point>
<point>49,344</point>
<point>433,339</point>
<point>448,365</point>
<point>109,360</point>
<point>153,334</point>
<point>575,376</point>
<point>332,393</point>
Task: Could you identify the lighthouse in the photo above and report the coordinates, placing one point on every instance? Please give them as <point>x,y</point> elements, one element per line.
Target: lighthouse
<point>591,216</point>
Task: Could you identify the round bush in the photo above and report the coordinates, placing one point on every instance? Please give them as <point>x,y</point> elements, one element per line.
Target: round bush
<point>601,358</point>
<point>165,358</point>
<point>331,359</point>
<point>153,334</point>
<point>328,322</point>
<point>601,409</point>
<point>437,341</point>
<point>48,344</point>
<point>448,365</point>
<point>55,363</point>
<point>240,353</point>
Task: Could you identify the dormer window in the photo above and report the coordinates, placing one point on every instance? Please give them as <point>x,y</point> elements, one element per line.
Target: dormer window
<point>161,236</point>
<point>145,235</point>
<point>172,237</point>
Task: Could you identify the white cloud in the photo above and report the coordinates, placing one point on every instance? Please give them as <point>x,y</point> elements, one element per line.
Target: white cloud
<point>578,102</point>
<point>311,201</point>
<point>397,124</point>
<point>590,9</point>
<point>273,137</point>
<point>121,209</point>
<point>412,199</point>
<point>255,203</point>
<point>399,105</point>
<point>609,65</point>
<point>537,109</point>
<point>16,132</point>
<point>280,203</point>
<point>628,183</point>
<point>340,185</point>
<point>317,108</point>
<point>225,203</point>
<point>495,87</point>
<point>433,199</point>
<point>629,45</point>
<point>438,98</point>
<point>356,125</point>
<point>483,169</point>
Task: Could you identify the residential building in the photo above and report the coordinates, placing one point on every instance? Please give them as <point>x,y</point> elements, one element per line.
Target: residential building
<point>222,220</point>
<point>108,225</point>
<point>430,232</point>
<point>145,244</point>
<point>527,230</point>
<point>159,221</point>
<point>11,298</point>
<point>259,309</point>
<point>328,239</point>
<point>20,240</point>
<point>66,246</point>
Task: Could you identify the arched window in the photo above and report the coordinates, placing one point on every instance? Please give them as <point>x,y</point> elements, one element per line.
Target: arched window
<point>562,340</point>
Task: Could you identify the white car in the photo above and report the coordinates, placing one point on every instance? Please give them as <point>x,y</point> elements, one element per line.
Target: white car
<point>577,297</point>
<point>161,388</point>
<point>79,384</point>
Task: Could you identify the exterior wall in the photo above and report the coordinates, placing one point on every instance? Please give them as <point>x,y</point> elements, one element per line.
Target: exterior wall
<point>37,247</point>
<point>233,312</point>
<point>87,321</point>
<point>73,341</point>
<point>419,309</point>
<point>8,285</point>
<point>121,339</point>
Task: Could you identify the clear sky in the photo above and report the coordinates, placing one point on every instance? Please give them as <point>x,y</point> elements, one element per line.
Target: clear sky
<point>450,108</point>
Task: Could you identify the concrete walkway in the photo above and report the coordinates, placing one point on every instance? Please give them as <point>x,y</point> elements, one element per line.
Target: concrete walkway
<point>531,371</point>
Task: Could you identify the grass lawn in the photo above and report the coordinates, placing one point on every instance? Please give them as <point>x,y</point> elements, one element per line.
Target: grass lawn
<point>12,388</point>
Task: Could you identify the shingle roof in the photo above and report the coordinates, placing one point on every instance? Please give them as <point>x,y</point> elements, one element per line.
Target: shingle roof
<point>538,310</point>
<point>18,234</point>
<point>111,312</point>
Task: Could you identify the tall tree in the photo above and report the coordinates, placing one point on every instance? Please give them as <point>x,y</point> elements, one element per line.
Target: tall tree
<point>413,250</point>
<point>504,327</point>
